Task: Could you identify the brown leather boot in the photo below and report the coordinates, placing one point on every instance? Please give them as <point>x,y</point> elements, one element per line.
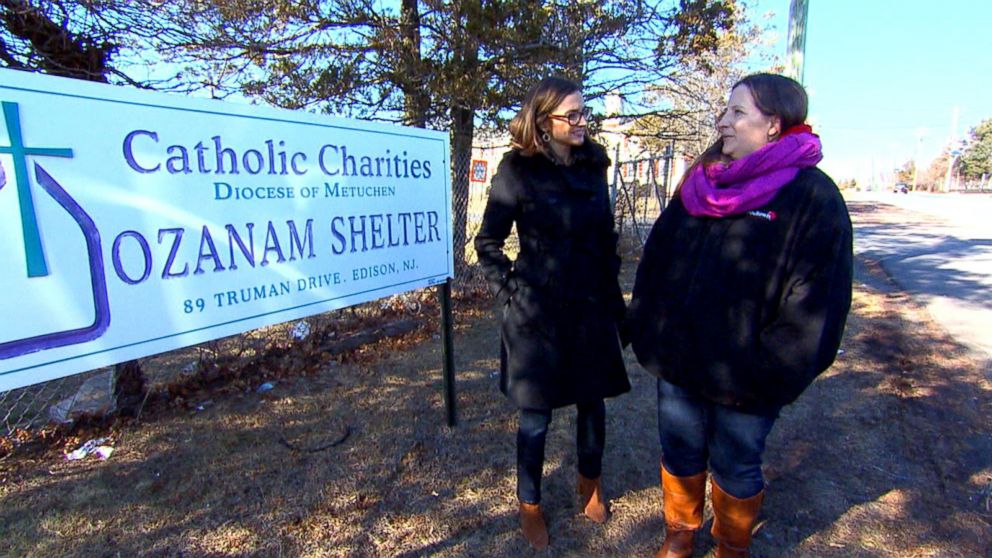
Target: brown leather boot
<point>532,525</point>
<point>592,500</point>
<point>733,520</point>
<point>683,499</point>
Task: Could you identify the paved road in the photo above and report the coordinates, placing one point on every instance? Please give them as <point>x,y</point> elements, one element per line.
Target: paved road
<point>942,256</point>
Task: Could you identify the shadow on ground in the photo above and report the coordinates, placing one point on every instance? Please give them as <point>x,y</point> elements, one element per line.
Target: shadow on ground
<point>886,455</point>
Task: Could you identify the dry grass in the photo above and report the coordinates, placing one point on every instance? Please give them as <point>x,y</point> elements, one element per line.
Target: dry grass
<point>887,454</point>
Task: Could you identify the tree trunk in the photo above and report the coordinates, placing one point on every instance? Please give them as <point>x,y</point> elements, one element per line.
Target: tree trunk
<point>467,96</point>
<point>129,388</point>
<point>462,131</point>
<point>415,99</point>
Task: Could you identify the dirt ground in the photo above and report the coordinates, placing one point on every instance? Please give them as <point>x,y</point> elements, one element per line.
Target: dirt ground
<point>887,454</point>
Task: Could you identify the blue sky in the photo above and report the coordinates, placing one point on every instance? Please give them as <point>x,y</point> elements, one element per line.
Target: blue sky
<point>883,73</point>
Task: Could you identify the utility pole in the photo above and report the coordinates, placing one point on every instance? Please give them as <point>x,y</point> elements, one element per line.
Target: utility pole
<point>954,152</point>
<point>920,133</point>
<point>798,12</point>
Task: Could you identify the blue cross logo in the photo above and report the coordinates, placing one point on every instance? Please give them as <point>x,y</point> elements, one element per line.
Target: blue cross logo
<point>33,250</point>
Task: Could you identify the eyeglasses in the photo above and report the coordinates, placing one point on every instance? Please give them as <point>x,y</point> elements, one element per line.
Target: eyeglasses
<point>573,117</point>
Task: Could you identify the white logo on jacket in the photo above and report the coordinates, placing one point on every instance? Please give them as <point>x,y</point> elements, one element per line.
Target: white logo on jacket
<point>766,215</point>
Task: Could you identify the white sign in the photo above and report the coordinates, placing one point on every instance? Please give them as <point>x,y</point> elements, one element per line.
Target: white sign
<point>133,223</point>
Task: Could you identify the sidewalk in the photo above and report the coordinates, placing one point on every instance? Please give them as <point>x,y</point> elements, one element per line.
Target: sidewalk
<point>941,257</point>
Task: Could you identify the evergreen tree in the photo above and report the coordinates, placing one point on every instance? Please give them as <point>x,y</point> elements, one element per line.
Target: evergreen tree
<point>976,160</point>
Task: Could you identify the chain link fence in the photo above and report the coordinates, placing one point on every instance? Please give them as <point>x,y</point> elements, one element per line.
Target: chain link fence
<point>639,190</point>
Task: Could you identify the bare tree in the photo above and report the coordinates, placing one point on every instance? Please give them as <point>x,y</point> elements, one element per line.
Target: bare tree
<point>688,104</point>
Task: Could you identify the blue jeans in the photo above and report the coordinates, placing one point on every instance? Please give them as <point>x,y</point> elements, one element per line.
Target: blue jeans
<point>695,432</point>
<point>590,436</point>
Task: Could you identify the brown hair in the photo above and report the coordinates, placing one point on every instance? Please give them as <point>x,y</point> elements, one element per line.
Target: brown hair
<point>541,100</point>
<point>774,95</point>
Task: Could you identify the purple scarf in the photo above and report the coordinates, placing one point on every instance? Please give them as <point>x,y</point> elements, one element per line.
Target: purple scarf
<point>752,181</point>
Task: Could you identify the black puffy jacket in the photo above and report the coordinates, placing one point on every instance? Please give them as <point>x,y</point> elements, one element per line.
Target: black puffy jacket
<point>746,310</point>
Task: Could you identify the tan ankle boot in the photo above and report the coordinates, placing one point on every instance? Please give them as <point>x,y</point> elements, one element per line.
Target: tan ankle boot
<point>683,507</point>
<point>593,505</point>
<point>733,521</point>
<point>532,525</point>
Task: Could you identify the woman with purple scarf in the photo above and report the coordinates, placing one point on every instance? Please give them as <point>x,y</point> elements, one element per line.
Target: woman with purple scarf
<point>739,303</point>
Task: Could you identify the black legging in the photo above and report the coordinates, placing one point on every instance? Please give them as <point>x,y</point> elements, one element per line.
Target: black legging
<point>590,434</point>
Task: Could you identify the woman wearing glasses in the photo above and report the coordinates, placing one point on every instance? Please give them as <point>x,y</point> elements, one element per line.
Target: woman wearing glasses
<point>560,300</point>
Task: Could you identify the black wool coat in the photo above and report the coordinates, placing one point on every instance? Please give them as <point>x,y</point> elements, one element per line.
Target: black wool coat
<point>560,300</point>
<point>746,310</point>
